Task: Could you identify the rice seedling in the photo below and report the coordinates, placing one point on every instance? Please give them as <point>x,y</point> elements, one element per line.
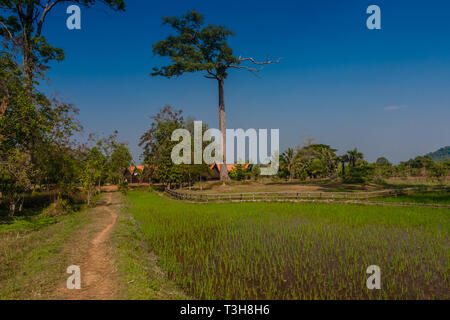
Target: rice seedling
<point>297,250</point>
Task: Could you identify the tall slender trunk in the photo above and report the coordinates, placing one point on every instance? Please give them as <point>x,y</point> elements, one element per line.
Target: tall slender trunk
<point>26,20</point>
<point>12,207</point>
<point>21,203</point>
<point>223,129</point>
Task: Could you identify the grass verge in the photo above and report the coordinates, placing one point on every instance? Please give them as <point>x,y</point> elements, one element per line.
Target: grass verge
<point>32,258</point>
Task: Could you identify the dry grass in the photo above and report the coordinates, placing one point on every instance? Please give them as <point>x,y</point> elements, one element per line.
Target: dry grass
<point>217,187</point>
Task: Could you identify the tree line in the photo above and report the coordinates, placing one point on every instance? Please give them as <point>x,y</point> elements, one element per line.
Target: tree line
<point>312,161</point>
<point>38,151</point>
<point>319,161</point>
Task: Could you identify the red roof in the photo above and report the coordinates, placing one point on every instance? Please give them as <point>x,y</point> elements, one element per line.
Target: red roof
<point>132,169</point>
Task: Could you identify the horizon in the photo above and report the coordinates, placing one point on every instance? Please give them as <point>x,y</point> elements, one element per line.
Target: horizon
<point>381,91</point>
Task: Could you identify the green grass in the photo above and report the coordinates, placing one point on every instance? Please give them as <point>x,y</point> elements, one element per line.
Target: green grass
<point>31,257</point>
<point>427,198</point>
<point>19,224</point>
<point>297,250</point>
<point>139,276</point>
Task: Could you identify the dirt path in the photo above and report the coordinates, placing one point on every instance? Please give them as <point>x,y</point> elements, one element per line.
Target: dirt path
<point>90,248</point>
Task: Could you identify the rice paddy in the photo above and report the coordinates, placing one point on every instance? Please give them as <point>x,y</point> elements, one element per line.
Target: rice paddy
<point>297,250</point>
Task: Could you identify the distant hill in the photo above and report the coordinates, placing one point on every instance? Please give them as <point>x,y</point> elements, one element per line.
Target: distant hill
<point>440,155</point>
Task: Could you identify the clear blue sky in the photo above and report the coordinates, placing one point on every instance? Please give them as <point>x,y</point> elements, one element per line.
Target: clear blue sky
<point>386,91</point>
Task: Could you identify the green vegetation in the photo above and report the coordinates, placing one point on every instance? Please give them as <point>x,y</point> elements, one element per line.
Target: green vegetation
<point>427,198</point>
<point>32,256</point>
<point>440,155</point>
<point>195,47</point>
<point>297,251</point>
<point>37,149</point>
<point>139,276</point>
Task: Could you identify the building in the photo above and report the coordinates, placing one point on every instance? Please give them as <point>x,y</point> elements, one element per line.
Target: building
<point>136,175</point>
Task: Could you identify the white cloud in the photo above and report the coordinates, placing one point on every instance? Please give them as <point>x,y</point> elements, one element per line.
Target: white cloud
<point>394,108</point>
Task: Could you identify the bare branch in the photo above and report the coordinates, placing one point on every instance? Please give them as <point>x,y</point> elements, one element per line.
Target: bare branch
<point>246,68</point>
<point>9,32</point>
<point>211,75</point>
<point>250,69</point>
<point>259,63</point>
<point>49,6</point>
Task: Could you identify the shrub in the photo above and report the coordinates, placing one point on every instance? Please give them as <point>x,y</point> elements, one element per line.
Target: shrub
<point>362,173</point>
<point>57,208</point>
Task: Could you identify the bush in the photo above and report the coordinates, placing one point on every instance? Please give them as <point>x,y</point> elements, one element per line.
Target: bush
<point>57,208</point>
<point>362,173</point>
<point>240,173</point>
<point>123,187</point>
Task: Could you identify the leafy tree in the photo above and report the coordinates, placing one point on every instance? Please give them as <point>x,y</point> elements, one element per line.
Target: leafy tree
<point>382,161</point>
<point>23,22</point>
<point>316,168</point>
<point>440,171</point>
<point>362,172</point>
<point>16,174</point>
<point>91,171</point>
<point>383,169</point>
<point>287,162</point>
<point>343,160</point>
<point>241,172</point>
<point>353,156</point>
<point>120,161</point>
<point>327,156</point>
<point>199,48</point>
<point>158,145</point>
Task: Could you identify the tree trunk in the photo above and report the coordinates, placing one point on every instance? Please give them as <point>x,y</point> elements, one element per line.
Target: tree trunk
<point>223,129</point>
<point>21,204</point>
<point>12,208</point>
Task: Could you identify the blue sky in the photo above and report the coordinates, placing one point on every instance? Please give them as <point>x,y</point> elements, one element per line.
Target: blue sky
<point>386,91</point>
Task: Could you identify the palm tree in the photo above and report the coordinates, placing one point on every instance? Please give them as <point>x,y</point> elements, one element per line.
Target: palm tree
<point>329,158</point>
<point>288,160</point>
<point>353,156</point>
<point>343,159</point>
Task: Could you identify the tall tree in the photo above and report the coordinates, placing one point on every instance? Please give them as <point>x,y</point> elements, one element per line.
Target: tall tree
<point>353,156</point>
<point>24,20</point>
<point>328,156</point>
<point>120,160</point>
<point>199,48</point>
<point>288,160</point>
<point>157,143</point>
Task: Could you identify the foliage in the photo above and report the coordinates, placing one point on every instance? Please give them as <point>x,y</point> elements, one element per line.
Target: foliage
<point>16,174</point>
<point>362,172</point>
<point>158,145</point>
<point>440,155</point>
<point>198,48</point>
<point>22,24</point>
<point>241,172</point>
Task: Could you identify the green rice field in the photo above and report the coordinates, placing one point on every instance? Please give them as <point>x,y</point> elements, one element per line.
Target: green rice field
<point>297,250</point>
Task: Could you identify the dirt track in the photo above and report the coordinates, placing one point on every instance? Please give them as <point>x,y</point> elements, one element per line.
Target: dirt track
<point>92,252</point>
